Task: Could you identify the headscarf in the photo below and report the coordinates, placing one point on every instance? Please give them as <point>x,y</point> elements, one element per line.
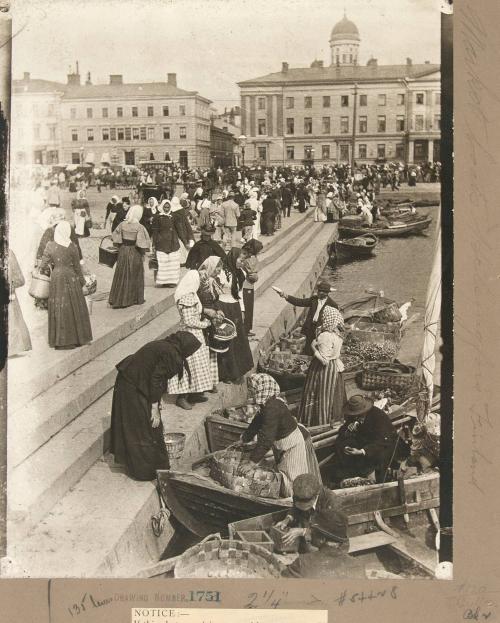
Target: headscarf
<point>161,207</point>
<point>115,199</point>
<point>176,204</point>
<point>264,387</point>
<point>59,215</point>
<point>62,234</point>
<point>234,275</point>
<point>189,284</point>
<point>153,204</point>
<point>80,194</point>
<point>331,320</point>
<point>210,264</point>
<point>186,344</point>
<point>134,214</point>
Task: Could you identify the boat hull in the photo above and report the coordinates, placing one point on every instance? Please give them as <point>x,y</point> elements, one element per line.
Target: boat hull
<point>347,249</point>
<point>405,229</point>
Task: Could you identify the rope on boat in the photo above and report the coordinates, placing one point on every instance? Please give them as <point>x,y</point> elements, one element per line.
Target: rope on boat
<point>159,520</point>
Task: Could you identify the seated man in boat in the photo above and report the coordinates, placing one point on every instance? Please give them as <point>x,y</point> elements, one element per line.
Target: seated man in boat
<point>315,516</point>
<point>367,443</point>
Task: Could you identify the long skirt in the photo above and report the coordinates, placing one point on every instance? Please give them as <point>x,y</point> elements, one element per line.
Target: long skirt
<point>324,395</point>
<point>238,360</point>
<point>134,442</point>
<point>292,461</point>
<point>248,301</point>
<point>312,459</point>
<point>19,336</point>
<point>202,366</point>
<point>267,223</point>
<point>128,281</point>
<point>68,314</point>
<point>169,268</point>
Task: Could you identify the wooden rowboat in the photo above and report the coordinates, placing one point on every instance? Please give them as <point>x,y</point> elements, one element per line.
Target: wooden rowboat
<point>360,246</point>
<point>396,229</point>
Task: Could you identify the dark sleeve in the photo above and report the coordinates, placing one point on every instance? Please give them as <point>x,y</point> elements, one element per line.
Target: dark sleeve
<point>253,428</point>
<point>383,435</point>
<point>159,379</point>
<point>266,436</point>
<point>108,211</point>
<point>46,258</point>
<point>75,260</point>
<point>43,243</point>
<point>76,242</point>
<point>304,302</point>
<point>182,228</point>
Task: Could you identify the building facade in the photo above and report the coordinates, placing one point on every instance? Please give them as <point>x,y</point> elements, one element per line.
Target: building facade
<point>115,123</point>
<point>345,112</point>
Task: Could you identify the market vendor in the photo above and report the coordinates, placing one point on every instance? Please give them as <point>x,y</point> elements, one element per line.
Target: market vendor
<point>276,428</point>
<point>315,517</point>
<point>366,444</point>
<point>316,305</point>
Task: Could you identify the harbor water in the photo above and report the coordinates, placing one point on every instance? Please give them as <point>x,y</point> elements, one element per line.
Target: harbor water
<point>401,268</point>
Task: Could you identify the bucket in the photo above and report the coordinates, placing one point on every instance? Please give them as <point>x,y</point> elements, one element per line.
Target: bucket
<point>174,443</point>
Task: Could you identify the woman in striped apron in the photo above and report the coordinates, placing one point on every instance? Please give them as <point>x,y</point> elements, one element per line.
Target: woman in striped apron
<point>277,428</point>
<point>324,392</point>
<point>166,244</point>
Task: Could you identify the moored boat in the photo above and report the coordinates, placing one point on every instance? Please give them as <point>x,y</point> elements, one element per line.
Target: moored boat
<point>360,246</point>
<point>392,230</point>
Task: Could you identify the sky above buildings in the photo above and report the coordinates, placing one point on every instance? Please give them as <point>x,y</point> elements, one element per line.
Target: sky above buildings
<point>210,44</point>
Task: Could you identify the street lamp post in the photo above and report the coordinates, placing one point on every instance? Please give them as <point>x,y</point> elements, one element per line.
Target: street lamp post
<point>242,140</point>
<point>354,124</point>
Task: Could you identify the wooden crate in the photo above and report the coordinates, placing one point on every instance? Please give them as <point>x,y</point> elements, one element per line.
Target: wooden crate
<point>257,537</point>
<point>222,432</point>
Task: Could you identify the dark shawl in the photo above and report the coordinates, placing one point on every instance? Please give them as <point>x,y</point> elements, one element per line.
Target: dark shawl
<point>234,273</point>
<point>202,250</point>
<point>152,365</point>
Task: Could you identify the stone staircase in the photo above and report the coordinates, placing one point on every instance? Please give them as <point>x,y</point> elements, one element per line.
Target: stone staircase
<point>71,512</point>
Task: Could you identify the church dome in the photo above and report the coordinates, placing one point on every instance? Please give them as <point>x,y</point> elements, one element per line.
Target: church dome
<point>345,29</point>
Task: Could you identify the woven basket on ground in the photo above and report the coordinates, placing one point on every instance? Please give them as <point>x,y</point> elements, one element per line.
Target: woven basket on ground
<point>227,559</point>
<point>384,375</point>
<point>261,481</point>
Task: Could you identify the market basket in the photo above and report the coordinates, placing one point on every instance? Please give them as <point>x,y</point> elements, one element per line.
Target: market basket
<point>108,254</point>
<point>220,336</point>
<point>261,481</point>
<point>174,443</point>
<point>40,284</point>
<point>228,559</point>
<point>385,375</point>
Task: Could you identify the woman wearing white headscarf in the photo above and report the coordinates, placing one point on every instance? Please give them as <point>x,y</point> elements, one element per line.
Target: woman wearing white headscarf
<point>69,321</point>
<point>133,241</point>
<point>81,213</point>
<point>203,367</point>
<point>166,245</point>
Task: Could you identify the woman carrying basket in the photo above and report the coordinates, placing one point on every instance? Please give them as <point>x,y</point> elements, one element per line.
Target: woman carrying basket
<point>277,428</point>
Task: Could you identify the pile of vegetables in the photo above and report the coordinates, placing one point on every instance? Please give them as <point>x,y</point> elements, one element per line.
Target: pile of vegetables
<point>367,351</point>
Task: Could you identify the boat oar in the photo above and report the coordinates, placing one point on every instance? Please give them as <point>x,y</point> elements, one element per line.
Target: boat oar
<point>199,462</point>
<point>326,459</point>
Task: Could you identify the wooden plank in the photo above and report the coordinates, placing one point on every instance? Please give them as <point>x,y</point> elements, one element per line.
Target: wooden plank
<point>414,550</point>
<point>369,541</point>
<point>393,512</point>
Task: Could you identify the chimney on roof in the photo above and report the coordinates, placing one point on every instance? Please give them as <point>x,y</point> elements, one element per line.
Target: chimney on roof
<point>26,76</point>
<point>409,62</point>
<point>284,67</point>
<point>172,80</point>
<point>88,81</point>
<point>427,62</point>
<point>317,64</point>
<point>373,62</point>
<point>115,79</point>
<point>74,77</point>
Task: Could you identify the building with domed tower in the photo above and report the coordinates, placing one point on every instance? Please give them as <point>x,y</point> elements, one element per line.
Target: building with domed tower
<point>344,112</point>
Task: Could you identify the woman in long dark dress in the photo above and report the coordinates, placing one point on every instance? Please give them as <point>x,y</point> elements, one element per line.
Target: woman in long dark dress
<point>69,321</point>
<point>268,216</point>
<point>136,427</point>
<point>238,360</point>
<point>128,281</point>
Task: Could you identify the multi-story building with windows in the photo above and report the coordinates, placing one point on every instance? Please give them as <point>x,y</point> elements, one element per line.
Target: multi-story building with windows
<point>115,123</point>
<point>345,112</point>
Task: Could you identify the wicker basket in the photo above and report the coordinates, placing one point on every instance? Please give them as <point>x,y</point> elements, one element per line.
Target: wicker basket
<point>261,482</point>
<point>228,559</point>
<point>108,254</point>
<point>40,284</point>
<point>390,313</point>
<point>174,443</point>
<point>383,375</point>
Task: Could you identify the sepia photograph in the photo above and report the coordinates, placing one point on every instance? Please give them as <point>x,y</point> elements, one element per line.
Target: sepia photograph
<point>225,346</point>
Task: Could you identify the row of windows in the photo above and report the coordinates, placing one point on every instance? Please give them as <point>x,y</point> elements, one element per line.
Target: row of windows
<point>128,133</point>
<point>150,112</point>
<point>344,124</point>
<point>51,131</point>
<point>344,100</point>
<point>344,152</point>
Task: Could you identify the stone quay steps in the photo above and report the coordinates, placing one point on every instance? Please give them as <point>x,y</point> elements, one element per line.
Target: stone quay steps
<point>101,526</point>
<point>30,377</point>
<point>56,439</point>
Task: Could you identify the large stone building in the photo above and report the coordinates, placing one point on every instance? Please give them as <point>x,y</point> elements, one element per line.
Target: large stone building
<point>114,123</point>
<point>345,112</point>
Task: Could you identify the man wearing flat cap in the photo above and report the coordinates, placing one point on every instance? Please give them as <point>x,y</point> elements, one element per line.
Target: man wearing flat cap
<point>316,303</point>
<point>366,444</point>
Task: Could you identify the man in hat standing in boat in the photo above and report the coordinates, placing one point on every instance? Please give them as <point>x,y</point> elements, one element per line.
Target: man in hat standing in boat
<point>367,443</point>
<point>316,304</point>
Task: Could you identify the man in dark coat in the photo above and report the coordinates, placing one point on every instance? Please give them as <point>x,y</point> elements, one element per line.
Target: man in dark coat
<point>204,248</point>
<point>316,304</point>
<point>286,200</point>
<point>367,442</point>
